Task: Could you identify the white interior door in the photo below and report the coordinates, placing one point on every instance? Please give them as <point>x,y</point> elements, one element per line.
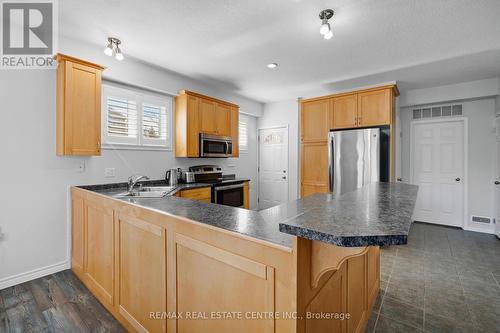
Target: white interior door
<point>273,167</point>
<point>497,180</point>
<point>438,170</point>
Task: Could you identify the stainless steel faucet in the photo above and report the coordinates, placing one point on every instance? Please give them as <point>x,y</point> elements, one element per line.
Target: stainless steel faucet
<point>132,180</point>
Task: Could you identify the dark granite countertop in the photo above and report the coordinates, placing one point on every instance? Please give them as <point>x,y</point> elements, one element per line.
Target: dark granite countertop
<point>377,214</point>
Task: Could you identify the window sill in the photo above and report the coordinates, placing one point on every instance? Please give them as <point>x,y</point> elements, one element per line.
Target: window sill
<point>135,147</point>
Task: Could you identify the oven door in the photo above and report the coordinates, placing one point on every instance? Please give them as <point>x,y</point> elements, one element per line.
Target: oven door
<point>213,146</point>
<point>229,195</point>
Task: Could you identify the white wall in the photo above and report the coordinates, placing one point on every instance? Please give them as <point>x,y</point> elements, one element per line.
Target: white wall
<point>480,112</point>
<point>34,219</point>
<point>286,113</point>
<point>452,92</point>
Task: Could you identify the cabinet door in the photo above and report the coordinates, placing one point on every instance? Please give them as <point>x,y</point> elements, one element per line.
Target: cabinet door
<point>99,247</point>
<point>142,273</point>
<point>77,233</point>
<point>207,116</point>
<point>235,130</point>
<point>223,119</point>
<point>314,120</point>
<point>193,130</point>
<point>82,115</point>
<point>374,108</point>
<point>210,279</point>
<point>345,112</point>
<point>314,171</point>
<point>356,293</point>
<point>199,194</point>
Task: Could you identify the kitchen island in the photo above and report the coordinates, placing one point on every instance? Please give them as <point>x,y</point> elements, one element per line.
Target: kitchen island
<point>176,265</point>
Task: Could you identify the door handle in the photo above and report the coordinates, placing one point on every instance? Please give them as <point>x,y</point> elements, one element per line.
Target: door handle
<point>457,179</point>
<point>497,182</point>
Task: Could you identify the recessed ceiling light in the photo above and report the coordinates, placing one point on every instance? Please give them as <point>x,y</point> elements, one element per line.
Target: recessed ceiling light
<point>272,65</point>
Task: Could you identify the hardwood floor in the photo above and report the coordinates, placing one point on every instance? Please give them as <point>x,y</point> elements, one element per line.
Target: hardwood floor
<point>55,303</point>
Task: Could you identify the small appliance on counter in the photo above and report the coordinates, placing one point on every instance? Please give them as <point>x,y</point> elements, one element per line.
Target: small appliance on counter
<point>172,176</point>
<point>226,189</point>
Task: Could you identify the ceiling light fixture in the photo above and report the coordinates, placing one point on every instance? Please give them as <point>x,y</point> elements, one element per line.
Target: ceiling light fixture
<point>113,48</point>
<point>325,28</point>
<point>272,65</point>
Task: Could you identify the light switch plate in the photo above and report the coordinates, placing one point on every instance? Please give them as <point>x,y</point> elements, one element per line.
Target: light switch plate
<point>109,172</point>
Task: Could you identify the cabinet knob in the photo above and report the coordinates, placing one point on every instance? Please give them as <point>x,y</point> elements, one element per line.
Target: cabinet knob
<point>497,182</point>
<point>457,179</point>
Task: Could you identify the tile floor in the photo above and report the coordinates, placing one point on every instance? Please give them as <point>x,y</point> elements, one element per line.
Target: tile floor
<point>444,280</point>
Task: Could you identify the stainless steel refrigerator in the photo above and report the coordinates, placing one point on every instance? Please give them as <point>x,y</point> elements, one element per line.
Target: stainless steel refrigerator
<point>357,157</point>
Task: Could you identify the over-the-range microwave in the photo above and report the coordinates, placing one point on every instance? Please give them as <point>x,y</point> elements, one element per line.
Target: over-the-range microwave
<point>215,145</point>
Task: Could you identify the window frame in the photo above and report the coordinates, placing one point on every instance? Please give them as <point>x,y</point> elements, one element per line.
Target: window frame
<point>140,97</point>
<point>243,119</point>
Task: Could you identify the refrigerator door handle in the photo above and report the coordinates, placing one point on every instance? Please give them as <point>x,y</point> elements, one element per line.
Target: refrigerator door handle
<point>331,157</point>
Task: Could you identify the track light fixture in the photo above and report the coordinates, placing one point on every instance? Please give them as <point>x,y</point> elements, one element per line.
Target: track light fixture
<point>325,28</point>
<point>113,48</point>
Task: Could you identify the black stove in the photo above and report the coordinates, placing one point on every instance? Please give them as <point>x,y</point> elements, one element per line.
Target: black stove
<point>226,189</point>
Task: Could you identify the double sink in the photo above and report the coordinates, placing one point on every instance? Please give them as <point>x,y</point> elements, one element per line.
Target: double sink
<point>147,192</point>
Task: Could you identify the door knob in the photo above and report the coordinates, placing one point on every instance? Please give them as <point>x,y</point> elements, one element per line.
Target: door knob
<point>497,182</point>
<point>457,179</point>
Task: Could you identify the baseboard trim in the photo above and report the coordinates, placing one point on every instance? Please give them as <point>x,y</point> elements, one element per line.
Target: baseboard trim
<point>484,229</point>
<point>34,274</point>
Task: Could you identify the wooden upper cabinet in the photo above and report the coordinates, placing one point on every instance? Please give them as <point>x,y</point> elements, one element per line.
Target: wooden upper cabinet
<point>78,107</point>
<point>344,112</point>
<point>195,114</point>
<point>375,108</point>
<point>223,119</point>
<point>235,129</point>
<point>315,120</point>
<point>207,116</point>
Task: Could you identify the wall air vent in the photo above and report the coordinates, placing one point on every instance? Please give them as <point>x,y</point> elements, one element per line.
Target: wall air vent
<point>481,219</point>
<point>438,111</point>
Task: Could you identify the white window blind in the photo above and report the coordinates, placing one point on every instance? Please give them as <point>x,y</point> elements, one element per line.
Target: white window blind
<point>122,119</point>
<point>135,118</point>
<point>243,133</point>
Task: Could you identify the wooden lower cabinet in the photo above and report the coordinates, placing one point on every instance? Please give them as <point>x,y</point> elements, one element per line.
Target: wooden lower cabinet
<point>236,284</point>
<point>159,273</point>
<point>143,284</point>
<point>99,246</point>
<point>314,168</point>
<point>203,194</point>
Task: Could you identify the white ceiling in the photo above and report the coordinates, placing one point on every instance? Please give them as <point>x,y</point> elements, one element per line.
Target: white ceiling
<point>416,42</point>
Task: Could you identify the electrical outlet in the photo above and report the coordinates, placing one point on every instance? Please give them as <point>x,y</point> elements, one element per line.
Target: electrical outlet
<point>109,172</point>
<point>80,167</point>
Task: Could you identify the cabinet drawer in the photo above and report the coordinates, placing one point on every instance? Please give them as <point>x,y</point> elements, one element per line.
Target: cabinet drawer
<point>200,194</point>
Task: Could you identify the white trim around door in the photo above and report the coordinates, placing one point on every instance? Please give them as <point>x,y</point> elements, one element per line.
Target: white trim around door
<point>464,223</point>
